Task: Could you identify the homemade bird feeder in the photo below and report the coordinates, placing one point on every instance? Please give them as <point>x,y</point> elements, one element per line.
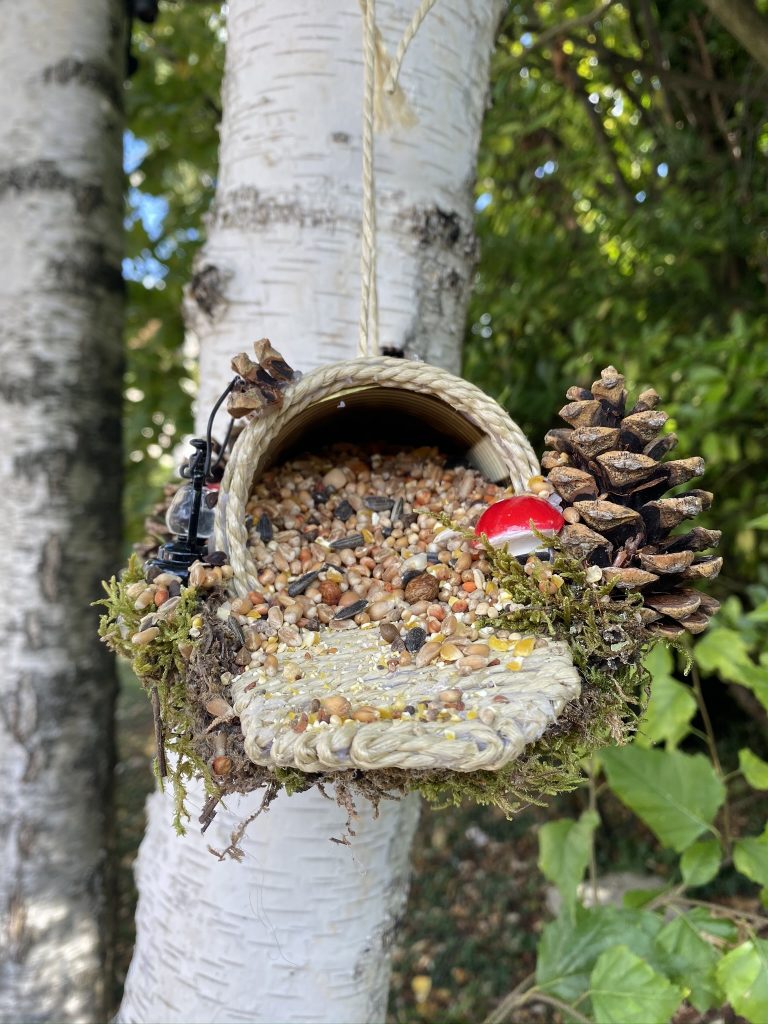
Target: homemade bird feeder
<point>500,632</point>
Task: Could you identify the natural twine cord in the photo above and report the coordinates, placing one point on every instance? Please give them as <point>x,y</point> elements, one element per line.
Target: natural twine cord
<point>368,342</point>
<point>252,445</point>
<point>380,78</point>
<point>396,63</point>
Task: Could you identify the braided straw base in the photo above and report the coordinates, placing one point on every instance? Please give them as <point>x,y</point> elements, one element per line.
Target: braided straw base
<point>508,709</point>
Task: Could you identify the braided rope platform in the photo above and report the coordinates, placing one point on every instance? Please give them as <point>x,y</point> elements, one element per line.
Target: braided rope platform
<point>499,710</point>
<point>506,710</point>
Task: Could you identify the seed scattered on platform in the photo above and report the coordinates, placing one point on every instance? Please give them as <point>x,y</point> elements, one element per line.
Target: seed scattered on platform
<point>415,639</point>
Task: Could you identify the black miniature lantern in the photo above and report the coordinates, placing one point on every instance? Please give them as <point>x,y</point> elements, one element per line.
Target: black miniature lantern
<point>190,515</point>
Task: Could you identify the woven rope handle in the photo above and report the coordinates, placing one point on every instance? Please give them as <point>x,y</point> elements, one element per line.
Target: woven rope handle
<point>252,445</point>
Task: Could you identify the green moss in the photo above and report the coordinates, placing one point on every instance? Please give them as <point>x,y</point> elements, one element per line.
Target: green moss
<point>606,637</point>
<point>607,641</point>
<point>159,665</point>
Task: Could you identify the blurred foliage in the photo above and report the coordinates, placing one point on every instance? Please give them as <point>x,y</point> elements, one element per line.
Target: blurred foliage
<point>622,215</point>
<point>172,107</point>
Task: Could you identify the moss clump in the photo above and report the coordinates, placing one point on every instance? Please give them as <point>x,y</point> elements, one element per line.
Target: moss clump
<point>160,667</point>
<point>192,654</point>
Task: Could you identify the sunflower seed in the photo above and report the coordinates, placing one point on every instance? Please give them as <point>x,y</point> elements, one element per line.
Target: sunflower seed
<point>300,585</point>
<point>351,610</point>
<point>378,503</point>
<point>352,540</point>
<point>264,528</point>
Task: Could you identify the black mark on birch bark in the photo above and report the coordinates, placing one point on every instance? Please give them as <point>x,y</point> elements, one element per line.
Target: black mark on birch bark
<point>447,229</point>
<point>207,289</point>
<point>246,208</point>
<point>91,268</point>
<point>90,74</point>
<point>47,176</point>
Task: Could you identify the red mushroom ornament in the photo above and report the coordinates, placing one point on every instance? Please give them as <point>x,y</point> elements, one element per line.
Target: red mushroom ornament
<point>510,523</point>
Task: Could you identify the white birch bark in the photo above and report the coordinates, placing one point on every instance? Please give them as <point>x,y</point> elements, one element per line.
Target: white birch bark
<point>61,69</point>
<point>300,930</point>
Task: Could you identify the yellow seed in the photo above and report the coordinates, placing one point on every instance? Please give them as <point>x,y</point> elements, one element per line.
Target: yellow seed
<point>513,666</point>
<point>449,734</point>
<point>450,652</point>
<point>525,647</point>
<point>253,614</point>
<point>368,537</point>
<point>197,622</point>
<point>471,714</point>
<point>496,644</point>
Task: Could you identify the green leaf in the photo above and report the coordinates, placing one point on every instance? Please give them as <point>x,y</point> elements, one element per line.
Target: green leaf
<point>750,855</point>
<point>743,974</point>
<point>700,863</point>
<point>719,927</point>
<point>569,947</point>
<point>627,990</point>
<point>725,651</point>
<point>564,851</point>
<point>671,707</point>
<point>760,523</point>
<point>677,795</point>
<point>755,769</point>
<point>690,960</point>
<point>637,898</point>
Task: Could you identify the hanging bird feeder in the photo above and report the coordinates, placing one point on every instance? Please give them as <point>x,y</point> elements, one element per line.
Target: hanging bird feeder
<point>394,597</point>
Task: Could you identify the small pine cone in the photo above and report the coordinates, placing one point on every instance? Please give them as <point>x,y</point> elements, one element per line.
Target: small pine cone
<point>608,467</point>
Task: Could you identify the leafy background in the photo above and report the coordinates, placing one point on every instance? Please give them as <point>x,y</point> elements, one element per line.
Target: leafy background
<point>621,207</point>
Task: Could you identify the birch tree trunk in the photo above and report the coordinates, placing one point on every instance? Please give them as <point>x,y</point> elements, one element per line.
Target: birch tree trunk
<point>300,930</point>
<point>61,66</point>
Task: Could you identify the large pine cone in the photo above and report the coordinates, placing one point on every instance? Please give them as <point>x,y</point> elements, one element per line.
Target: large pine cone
<point>608,469</point>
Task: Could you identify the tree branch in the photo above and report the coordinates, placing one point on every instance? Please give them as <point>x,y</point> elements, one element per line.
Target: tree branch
<point>659,58</point>
<point>565,27</point>
<point>745,23</point>
<point>717,108</point>
<point>679,79</point>
<point>575,84</point>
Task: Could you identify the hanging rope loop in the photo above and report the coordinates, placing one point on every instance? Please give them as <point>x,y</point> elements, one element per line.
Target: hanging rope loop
<point>384,105</point>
